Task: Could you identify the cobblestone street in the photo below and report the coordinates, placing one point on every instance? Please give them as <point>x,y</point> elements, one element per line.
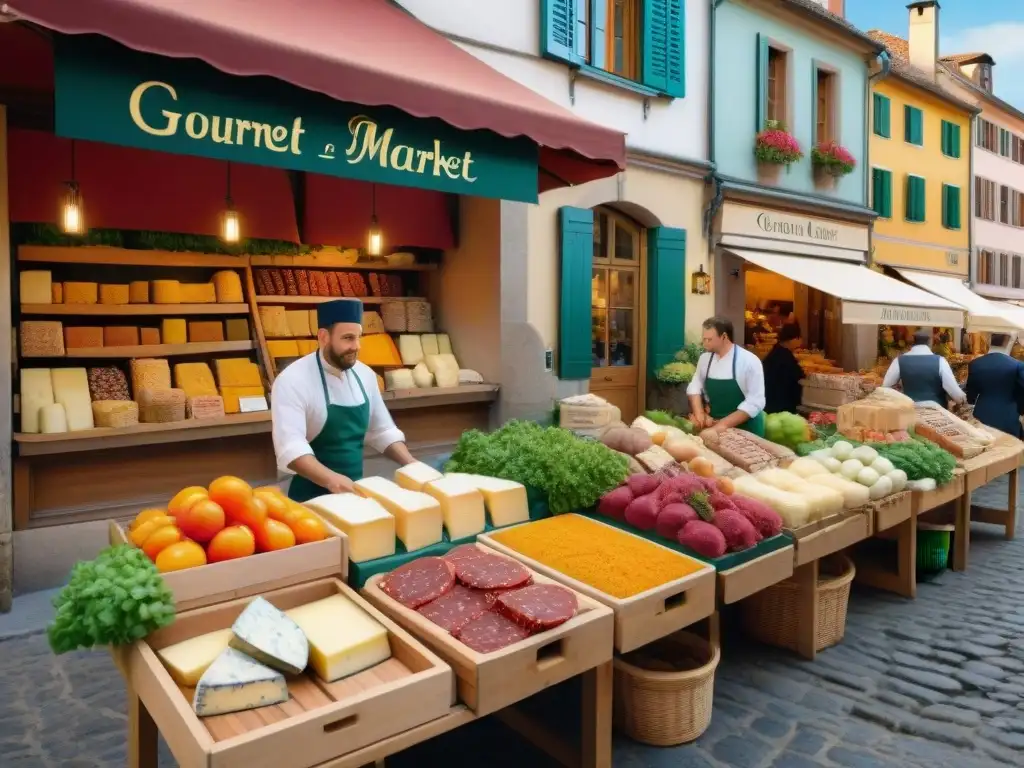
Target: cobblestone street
<point>937,682</point>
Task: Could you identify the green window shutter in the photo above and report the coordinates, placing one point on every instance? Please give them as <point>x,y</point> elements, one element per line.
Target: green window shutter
<point>913,129</point>
<point>598,25</point>
<point>944,142</point>
<point>666,295</point>
<point>887,194</point>
<point>880,115</point>
<point>915,203</point>
<point>954,138</point>
<point>946,208</point>
<point>881,192</point>
<point>956,207</point>
<point>761,73</point>
<point>559,30</point>
<point>950,206</point>
<point>908,116</point>
<point>577,255</point>
<point>886,117</point>
<point>664,42</point>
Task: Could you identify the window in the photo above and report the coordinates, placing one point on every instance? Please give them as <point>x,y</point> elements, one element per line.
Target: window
<point>984,199</point>
<point>1004,205</point>
<point>824,106</point>
<point>913,125</point>
<point>1004,269</point>
<point>985,77</point>
<point>880,106</point>
<point>777,77</point>
<point>950,139</point>
<point>1016,272</point>
<point>986,135</point>
<point>950,206</point>
<point>986,266</point>
<point>915,204</point>
<point>1004,142</point>
<point>614,291</point>
<point>881,192</point>
<point>1016,208</point>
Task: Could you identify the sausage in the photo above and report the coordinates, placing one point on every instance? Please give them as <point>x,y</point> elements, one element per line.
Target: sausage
<point>538,607</point>
<point>456,608</point>
<point>491,572</point>
<point>491,632</point>
<point>420,581</point>
<point>464,552</point>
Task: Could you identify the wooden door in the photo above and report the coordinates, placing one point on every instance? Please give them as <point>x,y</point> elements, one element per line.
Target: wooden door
<point>616,312</point>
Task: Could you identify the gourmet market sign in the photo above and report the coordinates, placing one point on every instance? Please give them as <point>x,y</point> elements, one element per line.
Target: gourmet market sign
<point>791,228</point>
<point>861,313</point>
<point>106,92</point>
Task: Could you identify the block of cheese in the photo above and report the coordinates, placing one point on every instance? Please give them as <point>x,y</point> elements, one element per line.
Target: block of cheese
<point>228,287</point>
<point>81,293</point>
<point>161,406</point>
<point>414,476</point>
<point>444,344</point>
<point>263,632</point>
<point>35,286</point>
<point>235,682</point>
<point>57,293</point>
<point>399,378</point>
<point>237,329</point>
<point>298,322</point>
<point>505,499</point>
<point>198,293</point>
<point>343,638</point>
<point>306,346</point>
<point>71,389</point>
<point>445,369</point>
<point>205,407</point>
<point>53,419</point>
<point>120,336</point>
<point>275,322</point>
<point>462,506</point>
<point>378,349</point>
<point>429,342</point>
<point>314,322</point>
<point>115,413</point>
<point>369,527</point>
<point>372,322</point>
<point>188,660</point>
<point>411,349</point>
<point>111,293</point>
<point>82,337</point>
<point>166,292</point>
<point>41,338</point>
<point>36,393</point>
<point>173,330</point>
<point>422,377</point>
<point>195,379</point>
<point>283,348</point>
<point>108,383</point>
<point>150,374</point>
<point>237,372</point>
<point>468,376</point>
<point>138,292</point>
<point>418,520</point>
<point>232,395</point>
<point>206,330</point>
<point>149,336</point>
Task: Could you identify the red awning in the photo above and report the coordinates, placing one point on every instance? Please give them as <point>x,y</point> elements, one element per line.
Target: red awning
<point>367,52</point>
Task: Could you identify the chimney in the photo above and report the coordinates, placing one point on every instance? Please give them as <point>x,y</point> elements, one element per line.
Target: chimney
<point>837,7</point>
<point>924,36</point>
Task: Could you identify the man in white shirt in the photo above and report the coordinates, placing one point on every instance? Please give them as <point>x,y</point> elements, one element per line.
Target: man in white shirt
<point>326,405</point>
<point>731,379</point>
<point>925,376</point>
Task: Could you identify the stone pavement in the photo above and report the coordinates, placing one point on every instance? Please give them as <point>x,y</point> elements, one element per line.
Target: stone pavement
<point>937,682</point>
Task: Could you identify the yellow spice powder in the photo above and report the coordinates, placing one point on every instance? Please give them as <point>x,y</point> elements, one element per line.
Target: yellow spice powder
<point>617,563</point>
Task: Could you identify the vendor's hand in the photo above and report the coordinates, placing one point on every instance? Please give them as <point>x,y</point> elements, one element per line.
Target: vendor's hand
<point>711,433</point>
<point>699,419</point>
<point>340,484</point>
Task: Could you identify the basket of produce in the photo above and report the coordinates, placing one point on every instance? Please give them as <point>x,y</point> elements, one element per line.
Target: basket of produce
<point>772,615</point>
<point>664,691</point>
<point>933,547</point>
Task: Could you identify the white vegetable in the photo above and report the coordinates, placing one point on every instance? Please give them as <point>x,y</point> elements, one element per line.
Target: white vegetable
<point>865,454</point>
<point>832,465</point>
<point>782,479</point>
<point>882,465</point>
<point>793,509</point>
<point>883,487</point>
<point>850,469</point>
<point>854,494</point>
<point>806,467</point>
<point>928,484</point>
<point>821,501</point>
<point>898,478</point>
<point>868,477</point>
<point>821,454</point>
<point>842,450</point>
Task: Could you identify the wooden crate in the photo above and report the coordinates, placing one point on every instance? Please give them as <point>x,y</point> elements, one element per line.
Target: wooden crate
<point>646,617</point>
<point>745,580</point>
<point>487,682</point>
<point>923,501</point>
<point>891,511</point>
<point>831,534</point>
<point>320,721</point>
<point>247,576</point>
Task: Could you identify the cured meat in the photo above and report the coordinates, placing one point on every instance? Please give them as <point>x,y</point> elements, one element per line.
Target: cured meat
<point>491,632</point>
<point>464,552</point>
<point>333,284</point>
<point>455,609</point>
<point>302,278</point>
<point>491,572</point>
<point>278,280</point>
<point>417,583</point>
<point>538,607</point>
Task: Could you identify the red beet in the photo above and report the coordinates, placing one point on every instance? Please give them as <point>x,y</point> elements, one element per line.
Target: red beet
<point>739,532</point>
<point>641,485</point>
<point>703,538</point>
<point>642,513</point>
<point>720,501</point>
<point>765,519</point>
<point>677,490</point>
<point>672,518</point>
<point>613,504</point>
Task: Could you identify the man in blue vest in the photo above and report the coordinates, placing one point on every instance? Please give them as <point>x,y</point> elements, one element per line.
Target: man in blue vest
<point>995,386</point>
<point>925,376</point>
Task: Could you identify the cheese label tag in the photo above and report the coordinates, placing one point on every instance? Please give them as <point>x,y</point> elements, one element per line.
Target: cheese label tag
<point>253,404</point>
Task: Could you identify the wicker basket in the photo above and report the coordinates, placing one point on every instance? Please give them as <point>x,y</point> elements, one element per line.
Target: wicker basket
<point>772,616</point>
<point>665,708</point>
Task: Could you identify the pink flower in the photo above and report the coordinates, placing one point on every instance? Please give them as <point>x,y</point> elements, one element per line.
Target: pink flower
<point>775,145</point>
<point>833,158</point>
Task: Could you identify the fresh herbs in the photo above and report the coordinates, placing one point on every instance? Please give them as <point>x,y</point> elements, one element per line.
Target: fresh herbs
<point>666,419</point>
<point>920,459</point>
<point>573,473</point>
<point>115,599</point>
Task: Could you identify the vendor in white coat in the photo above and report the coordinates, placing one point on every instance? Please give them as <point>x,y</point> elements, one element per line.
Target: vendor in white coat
<point>326,406</point>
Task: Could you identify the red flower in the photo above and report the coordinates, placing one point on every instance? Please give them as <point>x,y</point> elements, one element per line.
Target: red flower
<point>774,145</point>
<point>833,158</point>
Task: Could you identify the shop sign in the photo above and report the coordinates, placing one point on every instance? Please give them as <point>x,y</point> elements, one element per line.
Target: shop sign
<point>106,92</point>
<point>860,313</point>
<point>751,221</point>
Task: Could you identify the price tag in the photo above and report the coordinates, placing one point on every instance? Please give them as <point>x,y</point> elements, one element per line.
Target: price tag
<point>253,404</point>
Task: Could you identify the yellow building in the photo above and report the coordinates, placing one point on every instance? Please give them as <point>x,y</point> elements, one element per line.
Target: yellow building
<point>919,151</point>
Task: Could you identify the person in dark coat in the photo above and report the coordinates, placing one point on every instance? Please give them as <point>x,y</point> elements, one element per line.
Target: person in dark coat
<point>995,386</point>
<point>925,376</point>
<point>782,373</point>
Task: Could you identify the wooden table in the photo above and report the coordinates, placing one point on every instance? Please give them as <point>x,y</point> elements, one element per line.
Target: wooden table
<point>899,524</point>
<point>1003,458</point>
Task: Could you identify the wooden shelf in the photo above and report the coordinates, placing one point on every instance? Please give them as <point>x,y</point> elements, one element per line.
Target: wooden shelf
<point>322,299</point>
<point>112,310</point>
<point>402,399</point>
<point>125,257</point>
<point>328,261</point>
<point>153,350</point>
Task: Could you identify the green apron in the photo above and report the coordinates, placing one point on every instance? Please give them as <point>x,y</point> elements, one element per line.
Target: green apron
<point>724,396</point>
<point>339,446</point>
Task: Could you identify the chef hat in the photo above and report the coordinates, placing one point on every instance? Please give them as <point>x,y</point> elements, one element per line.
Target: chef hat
<point>339,311</point>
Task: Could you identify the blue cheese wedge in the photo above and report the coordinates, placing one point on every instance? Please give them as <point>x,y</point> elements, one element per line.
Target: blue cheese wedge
<point>234,682</point>
<point>270,637</point>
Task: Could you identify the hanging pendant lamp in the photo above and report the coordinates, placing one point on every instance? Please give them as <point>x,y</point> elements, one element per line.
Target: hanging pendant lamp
<point>72,216</point>
<point>230,225</point>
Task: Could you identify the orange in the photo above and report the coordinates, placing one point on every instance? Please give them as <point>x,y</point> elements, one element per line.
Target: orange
<point>202,520</point>
<point>232,493</point>
<point>176,557</point>
<point>146,514</point>
<point>230,543</point>
<point>139,535</point>
<point>274,535</point>
<point>274,489</point>
<point>160,539</point>
<point>184,499</point>
<point>309,528</point>
<point>277,505</point>
<point>253,513</point>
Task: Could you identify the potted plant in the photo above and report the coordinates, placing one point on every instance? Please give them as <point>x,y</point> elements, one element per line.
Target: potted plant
<point>775,149</point>
<point>831,161</point>
<point>668,390</point>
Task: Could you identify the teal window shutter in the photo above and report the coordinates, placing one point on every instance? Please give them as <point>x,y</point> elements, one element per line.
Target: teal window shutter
<point>558,30</point>
<point>913,128</point>
<point>761,73</point>
<point>666,295</point>
<point>663,61</point>
<point>955,205</point>
<point>950,206</point>
<point>944,141</point>
<point>598,25</point>
<point>914,210</point>
<point>880,115</point>
<point>954,139</point>
<point>577,255</point>
<point>881,192</point>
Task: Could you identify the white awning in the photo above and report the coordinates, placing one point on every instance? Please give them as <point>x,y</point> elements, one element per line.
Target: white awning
<point>1014,312</point>
<point>982,315</point>
<point>869,297</point>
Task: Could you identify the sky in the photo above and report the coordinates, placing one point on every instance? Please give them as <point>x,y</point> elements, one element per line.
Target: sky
<point>995,27</point>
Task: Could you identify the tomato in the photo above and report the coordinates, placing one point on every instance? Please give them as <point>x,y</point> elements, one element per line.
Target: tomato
<point>274,535</point>
<point>176,557</point>
<point>232,493</point>
<point>230,543</point>
<point>202,521</point>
